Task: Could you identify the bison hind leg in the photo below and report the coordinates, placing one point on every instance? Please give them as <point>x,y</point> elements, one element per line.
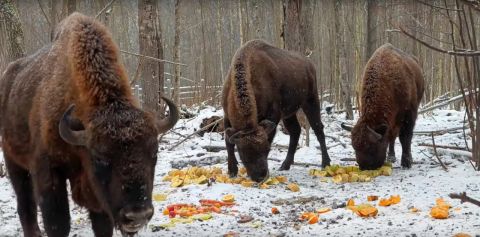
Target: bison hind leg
<point>406,134</point>
<point>294,129</point>
<point>26,206</point>
<point>312,111</point>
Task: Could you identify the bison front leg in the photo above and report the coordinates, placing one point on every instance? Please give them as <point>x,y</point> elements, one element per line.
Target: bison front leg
<point>294,130</point>
<point>391,152</point>
<point>232,161</point>
<point>406,134</point>
<point>101,224</point>
<point>26,206</point>
<point>51,192</point>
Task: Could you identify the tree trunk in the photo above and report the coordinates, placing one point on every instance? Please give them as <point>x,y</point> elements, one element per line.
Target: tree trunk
<point>11,35</point>
<point>59,9</point>
<point>292,31</point>
<point>176,55</point>
<point>372,21</point>
<point>150,45</point>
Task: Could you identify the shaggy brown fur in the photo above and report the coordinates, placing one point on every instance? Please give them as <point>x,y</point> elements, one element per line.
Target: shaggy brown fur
<point>264,85</point>
<point>67,112</point>
<point>392,88</point>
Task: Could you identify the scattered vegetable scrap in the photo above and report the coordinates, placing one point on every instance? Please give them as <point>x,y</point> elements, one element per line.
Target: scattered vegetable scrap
<point>228,198</point>
<point>364,210</point>
<point>293,187</point>
<point>160,197</point>
<point>201,175</point>
<point>414,210</point>
<point>462,235</point>
<point>323,210</point>
<point>350,174</point>
<point>372,198</point>
<point>385,202</point>
<point>440,210</point>
<point>275,210</point>
<point>311,217</point>
<point>350,203</point>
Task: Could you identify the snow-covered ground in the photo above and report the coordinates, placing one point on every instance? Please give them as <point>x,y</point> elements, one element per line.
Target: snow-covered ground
<point>418,187</point>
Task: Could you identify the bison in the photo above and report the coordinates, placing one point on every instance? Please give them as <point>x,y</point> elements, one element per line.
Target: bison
<point>264,85</point>
<point>392,87</point>
<point>67,113</point>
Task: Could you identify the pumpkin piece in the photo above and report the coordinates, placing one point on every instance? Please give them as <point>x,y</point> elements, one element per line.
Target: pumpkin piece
<point>293,187</point>
<point>228,198</point>
<point>367,211</point>
<point>372,198</point>
<point>395,199</point>
<point>281,179</point>
<point>350,203</point>
<point>323,210</point>
<point>439,212</point>
<point>385,202</point>
<point>263,186</point>
<point>247,183</point>
<point>313,219</point>
<point>413,210</point>
<point>275,210</point>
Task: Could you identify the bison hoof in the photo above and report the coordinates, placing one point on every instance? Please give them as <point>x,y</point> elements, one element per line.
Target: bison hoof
<point>233,173</point>
<point>284,167</point>
<point>391,159</point>
<point>407,162</point>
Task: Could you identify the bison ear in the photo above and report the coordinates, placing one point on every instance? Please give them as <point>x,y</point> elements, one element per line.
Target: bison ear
<point>382,129</point>
<point>268,125</point>
<point>71,130</point>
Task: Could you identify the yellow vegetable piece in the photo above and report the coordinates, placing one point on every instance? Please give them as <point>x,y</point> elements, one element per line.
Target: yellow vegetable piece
<point>337,179</point>
<point>247,183</point>
<point>323,210</point>
<point>242,171</point>
<point>353,177</point>
<point>462,235</point>
<point>176,182</point>
<point>272,181</point>
<point>439,212</point>
<point>293,187</point>
<point>414,210</point>
<point>345,178</point>
<point>263,186</point>
<point>281,179</point>
<point>395,199</point>
<point>228,198</point>
<point>160,197</point>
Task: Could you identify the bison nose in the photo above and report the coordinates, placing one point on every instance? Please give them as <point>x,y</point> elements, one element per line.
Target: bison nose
<point>139,215</point>
<point>261,177</point>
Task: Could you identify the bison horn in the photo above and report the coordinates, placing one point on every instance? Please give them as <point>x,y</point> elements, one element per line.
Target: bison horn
<point>71,129</point>
<point>346,126</point>
<point>376,136</point>
<point>167,123</point>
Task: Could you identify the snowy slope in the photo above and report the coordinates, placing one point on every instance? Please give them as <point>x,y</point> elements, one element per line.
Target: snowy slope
<point>418,187</point>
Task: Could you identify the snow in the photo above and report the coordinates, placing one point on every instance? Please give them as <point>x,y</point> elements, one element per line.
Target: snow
<point>418,187</point>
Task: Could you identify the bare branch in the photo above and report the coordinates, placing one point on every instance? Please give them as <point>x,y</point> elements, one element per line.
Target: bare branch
<point>472,3</point>
<point>104,8</point>
<point>137,71</point>
<point>468,53</point>
<point>438,7</point>
<point>151,58</point>
<point>436,154</point>
<point>44,14</point>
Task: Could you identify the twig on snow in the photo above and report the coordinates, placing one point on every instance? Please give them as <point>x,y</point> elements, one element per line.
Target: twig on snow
<point>464,198</point>
<point>436,154</point>
<point>196,132</point>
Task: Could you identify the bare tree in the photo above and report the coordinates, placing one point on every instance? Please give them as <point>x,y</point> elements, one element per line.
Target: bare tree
<point>11,34</point>
<point>176,54</point>
<point>150,42</point>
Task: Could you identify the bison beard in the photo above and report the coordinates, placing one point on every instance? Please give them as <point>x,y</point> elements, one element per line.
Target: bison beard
<point>67,113</point>
<point>392,88</point>
<point>263,86</point>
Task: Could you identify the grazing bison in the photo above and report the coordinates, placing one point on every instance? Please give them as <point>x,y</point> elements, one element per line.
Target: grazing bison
<point>67,113</point>
<point>392,87</point>
<point>264,85</point>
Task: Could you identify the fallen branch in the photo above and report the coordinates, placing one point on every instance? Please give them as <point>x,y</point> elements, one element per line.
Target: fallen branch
<point>444,146</point>
<point>337,140</point>
<point>436,154</point>
<point>152,58</point>
<point>349,127</point>
<point>449,101</point>
<point>464,198</point>
<point>452,152</point>
<point>196,132</point>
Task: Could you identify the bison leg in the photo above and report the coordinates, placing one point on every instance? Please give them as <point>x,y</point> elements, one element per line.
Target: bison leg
<point>101,224</point>
<point>26,206</point>
<point>232,161</point>
<point>51,190</point>
<point>312,111</point>
<point>294,129</point>
<point>391,152</point>
<point>406,134</point>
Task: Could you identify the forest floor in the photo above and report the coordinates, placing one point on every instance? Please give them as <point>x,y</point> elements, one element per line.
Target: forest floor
<point>418,187</point>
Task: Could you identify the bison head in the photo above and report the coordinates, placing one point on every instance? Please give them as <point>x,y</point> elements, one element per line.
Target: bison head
<point>119,156</point>
<point>253,147</point>
<point>370,145</point>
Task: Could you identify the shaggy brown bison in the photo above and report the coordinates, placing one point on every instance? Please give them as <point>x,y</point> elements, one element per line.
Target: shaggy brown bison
<point>392,87</point>
<point>67,113</point>
<point>264,85</point>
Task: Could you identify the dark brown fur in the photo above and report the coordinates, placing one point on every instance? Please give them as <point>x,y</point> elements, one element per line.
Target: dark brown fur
<point>264,85</point>
<point>111,172</point>
<point>392,88</point>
